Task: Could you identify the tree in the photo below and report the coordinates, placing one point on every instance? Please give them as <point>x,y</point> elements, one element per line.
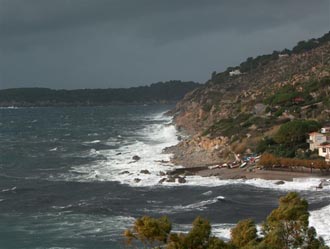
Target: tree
<point>199,235</point>
<point>149,231</point>
<point>244,233</point>
<point>295,131</point>
<point>287,226</point>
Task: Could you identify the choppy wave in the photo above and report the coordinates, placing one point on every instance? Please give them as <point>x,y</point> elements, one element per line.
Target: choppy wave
<point>9,107</point>
<point>119,164</point>
<point>320,220</point>
<point>148,143</point>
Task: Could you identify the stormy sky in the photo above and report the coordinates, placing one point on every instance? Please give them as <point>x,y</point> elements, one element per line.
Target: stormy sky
<point>122,43</point>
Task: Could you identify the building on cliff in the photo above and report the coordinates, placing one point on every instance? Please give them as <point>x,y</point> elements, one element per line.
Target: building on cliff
<point>321,142</point>
<point>324,151</point>
<point>315,140</point>
<point>235,72</point>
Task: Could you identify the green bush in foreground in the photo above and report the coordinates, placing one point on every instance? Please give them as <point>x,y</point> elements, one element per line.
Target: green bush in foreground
<point>286,227</point>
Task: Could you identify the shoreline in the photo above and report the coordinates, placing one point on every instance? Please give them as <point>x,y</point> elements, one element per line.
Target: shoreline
<point>239,173</point>
<point>248,173</point>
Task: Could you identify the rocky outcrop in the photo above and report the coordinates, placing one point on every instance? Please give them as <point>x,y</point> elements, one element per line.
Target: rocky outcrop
<point>200,151</point>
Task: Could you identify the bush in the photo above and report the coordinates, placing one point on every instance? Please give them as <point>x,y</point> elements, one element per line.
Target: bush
<point>295,132</point>
<point>285,227</point>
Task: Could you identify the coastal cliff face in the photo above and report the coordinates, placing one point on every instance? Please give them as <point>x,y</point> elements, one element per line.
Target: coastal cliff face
<point>230,114</point>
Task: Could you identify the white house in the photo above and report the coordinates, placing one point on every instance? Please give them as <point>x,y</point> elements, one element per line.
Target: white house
<point>324,151</point>
<point>315,140</point>
<point>283,55</point>
<point>235,72</point>
<point>325,130</point>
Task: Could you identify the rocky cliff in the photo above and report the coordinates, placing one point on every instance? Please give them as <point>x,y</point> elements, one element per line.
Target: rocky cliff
<point>231,114</point>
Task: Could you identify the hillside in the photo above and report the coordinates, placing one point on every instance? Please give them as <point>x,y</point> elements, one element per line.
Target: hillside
<point>161,92</point>
<point>234,114</point>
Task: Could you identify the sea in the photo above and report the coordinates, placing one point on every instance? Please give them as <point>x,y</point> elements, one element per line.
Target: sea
<point>68,180</point>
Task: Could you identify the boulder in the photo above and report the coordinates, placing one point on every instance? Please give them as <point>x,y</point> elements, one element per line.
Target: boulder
<point>137,180</point>
<point>136,158</point>
<point>280,182</point>
<point>162,173</point>
<point>181,180</point>
<point>145,171</point>
<point>124,172</point>
<point>162,180</point>
<point>170,179</point>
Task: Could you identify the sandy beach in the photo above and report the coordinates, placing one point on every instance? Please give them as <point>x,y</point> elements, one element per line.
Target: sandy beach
<point>246,173</point>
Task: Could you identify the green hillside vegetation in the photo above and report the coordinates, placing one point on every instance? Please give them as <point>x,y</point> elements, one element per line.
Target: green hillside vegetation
<point>285,227</point>
<point>305,102</point>
<point>161,92</point>
<point>302,46</point>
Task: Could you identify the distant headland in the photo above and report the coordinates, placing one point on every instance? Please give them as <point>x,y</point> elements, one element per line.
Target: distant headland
<point>156,93</point>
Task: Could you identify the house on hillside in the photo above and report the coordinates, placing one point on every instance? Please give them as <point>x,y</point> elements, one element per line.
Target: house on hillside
<point>283,55</point>
<point>235,72</point>
<point>298,100</point>
<point>320,141</point>
<point>324,151</point>
<point>315,140</point>
<point>325,130</point>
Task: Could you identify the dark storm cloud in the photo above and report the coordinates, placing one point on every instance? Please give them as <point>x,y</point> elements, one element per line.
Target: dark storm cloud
<point>104,43</point>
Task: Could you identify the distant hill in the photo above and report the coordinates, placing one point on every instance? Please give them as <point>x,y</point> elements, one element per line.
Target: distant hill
<point>161,92</point>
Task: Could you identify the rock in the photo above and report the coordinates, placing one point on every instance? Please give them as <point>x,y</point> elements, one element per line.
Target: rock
<point>161,173</point>
<point>279,182</point>
<point>162,180</point>
<point>320,186</point>
<point>119,153</point>
<point>170,179</point>
<point>145,171</point>
<point>181,180</point>
<point>179,138</point>
<point>137,180</point>
<point>136,158</point>
<point>124,172</point>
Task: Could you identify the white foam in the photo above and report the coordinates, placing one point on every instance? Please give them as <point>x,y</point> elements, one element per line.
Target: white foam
<point>151,140</point>
<point>92,142</point>
<point>320,219</point>
<point>9,107</point>
<point>202,205</point>
<point>154,138</point>
<point>9,189</point>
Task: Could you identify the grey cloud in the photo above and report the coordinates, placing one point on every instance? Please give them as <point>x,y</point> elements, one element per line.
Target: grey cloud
<point>113,43</point>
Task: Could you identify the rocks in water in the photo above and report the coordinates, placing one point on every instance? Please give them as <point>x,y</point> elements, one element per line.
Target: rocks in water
<point>181,180</point>
<point>145,171</point>
<point>136,158</point>
<point>162,180</point>
<point>320,186</point>
<point>124,172</point>
<point>137,180</point>
<point>170,179</point>
<point>119,153</point>
<point>280,182</point>
<point>162,173</point>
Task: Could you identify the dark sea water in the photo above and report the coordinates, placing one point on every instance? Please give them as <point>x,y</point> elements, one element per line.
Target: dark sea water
<point>62,183</point>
